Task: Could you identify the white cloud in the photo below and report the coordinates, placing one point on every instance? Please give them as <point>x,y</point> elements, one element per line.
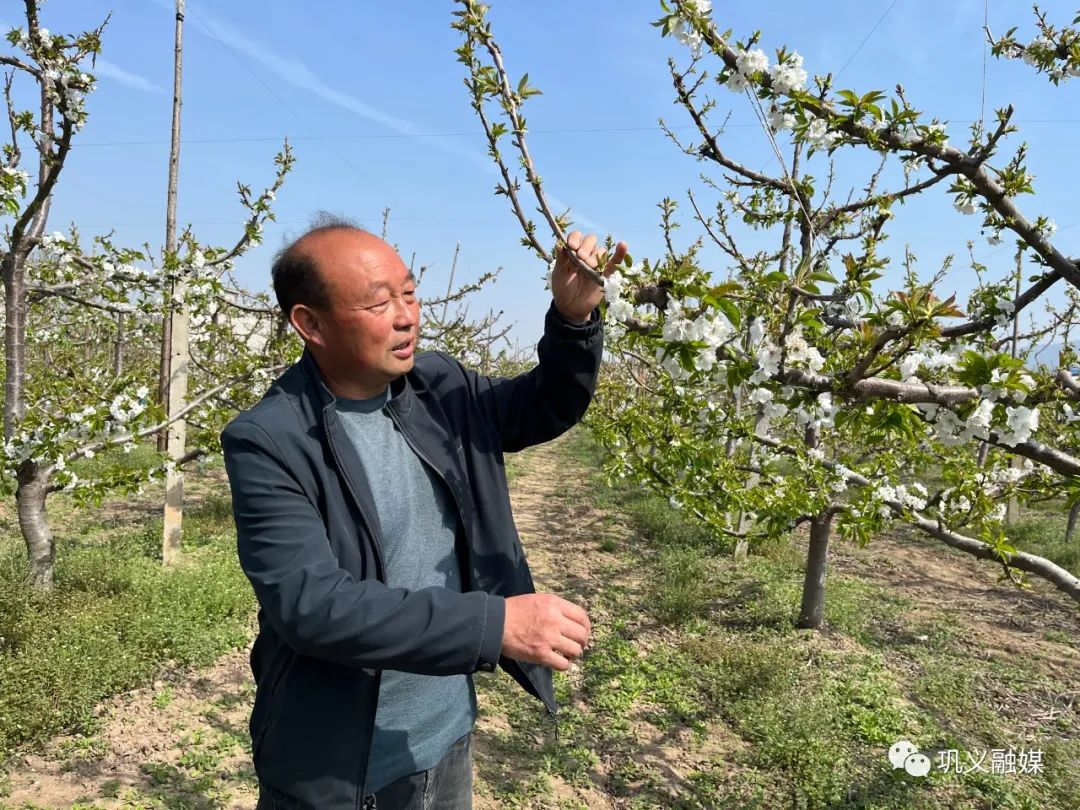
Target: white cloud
<point>300,75</point>
<point>103,68</point>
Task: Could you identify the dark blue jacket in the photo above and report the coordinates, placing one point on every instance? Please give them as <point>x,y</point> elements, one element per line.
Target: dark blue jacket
<point>309,541</point>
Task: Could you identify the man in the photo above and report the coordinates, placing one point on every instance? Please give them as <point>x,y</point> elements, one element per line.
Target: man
<point>374,524</point>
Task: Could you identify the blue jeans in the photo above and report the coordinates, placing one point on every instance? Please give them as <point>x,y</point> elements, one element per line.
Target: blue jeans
<point>447,786</point>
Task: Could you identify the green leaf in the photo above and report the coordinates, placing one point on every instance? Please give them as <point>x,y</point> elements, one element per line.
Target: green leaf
<point>731,311</point>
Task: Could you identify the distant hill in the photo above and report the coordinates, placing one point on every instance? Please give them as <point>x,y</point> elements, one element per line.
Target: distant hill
<point>1048,356</point>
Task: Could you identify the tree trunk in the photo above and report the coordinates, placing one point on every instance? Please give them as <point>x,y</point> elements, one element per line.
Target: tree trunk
<point>163,372</point>
<point>1012,509</point>
<point>14,343</point>
<point>1070,527</point>
<point>742,545</point>
<point>118,350</point>
<point>984,451</point>
<point>812,610</point>
<point>176,435</point>
<point>30,504</point>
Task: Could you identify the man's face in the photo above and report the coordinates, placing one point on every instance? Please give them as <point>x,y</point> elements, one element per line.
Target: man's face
<point>367,336</point>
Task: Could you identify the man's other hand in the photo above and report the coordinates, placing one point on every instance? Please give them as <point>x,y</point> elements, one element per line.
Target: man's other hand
<point>542,628</point>
<point>576,295</point>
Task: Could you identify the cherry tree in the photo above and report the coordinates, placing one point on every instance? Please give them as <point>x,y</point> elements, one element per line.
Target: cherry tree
<point>87,311</point>
<point>785,387</point>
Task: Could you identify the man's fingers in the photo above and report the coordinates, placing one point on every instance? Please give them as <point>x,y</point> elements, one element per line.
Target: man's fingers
<point>616,258</point>
<point>555,661</point>
<point>587,251</point>
<point>568,649</point>
<point>577,633</point>
<point>573,240</point>
<point>575,614</point>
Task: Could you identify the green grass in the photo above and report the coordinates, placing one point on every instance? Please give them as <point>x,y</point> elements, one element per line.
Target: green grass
<point>1042,532</point>
<point>115,619</point>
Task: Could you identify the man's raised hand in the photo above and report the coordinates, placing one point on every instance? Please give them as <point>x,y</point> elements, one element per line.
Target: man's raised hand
<point>575,294</point>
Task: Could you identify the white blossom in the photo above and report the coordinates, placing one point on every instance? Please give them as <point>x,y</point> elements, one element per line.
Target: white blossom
<point>780,120</point>
<point>687,35</point>
<point>978,424</point>
<point>818,135</point>
<point>705,360</point>
<point>909,364</point>
<point>752,61</point>
<point>619,309</point>
<point>757,331</point>
<point>672,367</point>
<point>737,82</point>
<point>965,205</point>
<point>788,75</point>
<point>613,286</point>
<point>768,364</point>
<point>761,395</point>
<point>1021,422</point>
<point>934,129</point>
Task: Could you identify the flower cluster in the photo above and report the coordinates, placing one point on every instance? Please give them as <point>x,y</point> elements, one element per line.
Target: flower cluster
<point>801,353</point>
<point>788,74</point>
<point>125,407</point>
<point>932,361</point>
<point>819,136</point>
<point>1020,422</point>
<point>683,29</point>
<point>911,496</point>
<point>747,63</point>
<point>1003,312</point>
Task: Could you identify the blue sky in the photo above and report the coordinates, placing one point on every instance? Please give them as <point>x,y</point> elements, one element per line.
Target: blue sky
<point>371,96</point>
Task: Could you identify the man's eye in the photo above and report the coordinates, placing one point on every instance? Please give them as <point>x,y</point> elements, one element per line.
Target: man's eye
<point>410,294</point>
<point>380,306</point>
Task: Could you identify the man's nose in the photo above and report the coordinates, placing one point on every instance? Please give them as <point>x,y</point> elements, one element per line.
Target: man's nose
<point>406,314</point>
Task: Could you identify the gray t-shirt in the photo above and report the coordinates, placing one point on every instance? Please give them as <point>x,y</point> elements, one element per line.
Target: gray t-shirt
<point>418,716</point>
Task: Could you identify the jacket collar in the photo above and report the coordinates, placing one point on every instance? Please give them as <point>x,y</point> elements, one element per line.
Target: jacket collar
<point>401,393</point>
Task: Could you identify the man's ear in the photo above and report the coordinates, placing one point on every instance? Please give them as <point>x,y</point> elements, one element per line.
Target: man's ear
<point>307,324</point>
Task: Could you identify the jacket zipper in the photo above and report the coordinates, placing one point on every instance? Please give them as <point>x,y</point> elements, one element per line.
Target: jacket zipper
<point>468,543</point>
<point>379,564</point>
<point>427,460</point>
<point>380,574</point>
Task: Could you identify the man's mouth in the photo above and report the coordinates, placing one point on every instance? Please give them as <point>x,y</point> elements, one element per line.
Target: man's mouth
<point>404,349</point>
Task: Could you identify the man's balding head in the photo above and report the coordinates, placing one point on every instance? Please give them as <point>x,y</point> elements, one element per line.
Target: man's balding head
<point>353,301</point>
<point>295,272</point>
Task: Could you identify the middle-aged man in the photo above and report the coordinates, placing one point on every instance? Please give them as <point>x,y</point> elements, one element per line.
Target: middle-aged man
<point>374,523</point>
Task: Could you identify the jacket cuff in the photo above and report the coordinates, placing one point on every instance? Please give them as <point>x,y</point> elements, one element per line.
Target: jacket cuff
<point>556,323</point>
<point>491,638</point>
